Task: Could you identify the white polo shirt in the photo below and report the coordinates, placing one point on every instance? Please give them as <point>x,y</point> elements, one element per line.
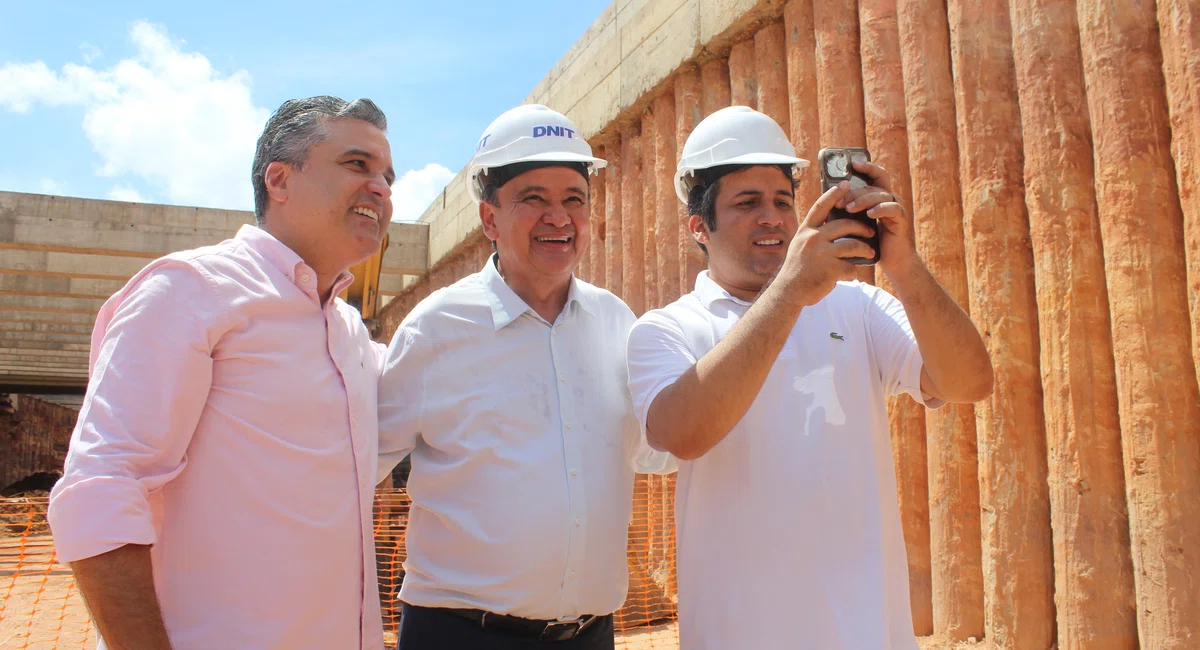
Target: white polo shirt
<point>788,529</point>
<point>524,447</point>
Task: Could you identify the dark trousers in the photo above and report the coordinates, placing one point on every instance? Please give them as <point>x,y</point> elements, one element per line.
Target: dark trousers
<point>429,628</point>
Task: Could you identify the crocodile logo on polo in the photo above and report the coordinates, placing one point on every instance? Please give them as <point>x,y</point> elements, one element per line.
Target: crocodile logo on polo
<point>835,335</point>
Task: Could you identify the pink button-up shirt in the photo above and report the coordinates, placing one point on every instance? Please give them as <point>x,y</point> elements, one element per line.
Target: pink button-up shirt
<point>230,421</point>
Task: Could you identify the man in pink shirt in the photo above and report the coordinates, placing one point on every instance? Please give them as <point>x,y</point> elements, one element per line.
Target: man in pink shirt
<point>218,489</point>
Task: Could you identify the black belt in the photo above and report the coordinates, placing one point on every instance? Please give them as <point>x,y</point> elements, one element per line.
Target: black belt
<point>546,631</point>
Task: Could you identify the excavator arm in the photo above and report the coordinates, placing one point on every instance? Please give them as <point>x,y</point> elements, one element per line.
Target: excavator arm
<point>363,293</point>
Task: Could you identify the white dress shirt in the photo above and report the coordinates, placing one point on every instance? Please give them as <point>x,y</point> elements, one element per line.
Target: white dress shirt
<point>788,529</point>
<point>524,448</point>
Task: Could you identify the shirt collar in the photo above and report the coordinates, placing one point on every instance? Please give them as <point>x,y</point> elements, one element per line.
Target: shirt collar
<point>507,306</point>
<point>709,292</point>
<point>277,254</point>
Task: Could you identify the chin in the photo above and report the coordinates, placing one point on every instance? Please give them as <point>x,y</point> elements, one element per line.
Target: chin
<point>553,264</point>
<point>767,268</point>
<point>368,243</point>
<point>364,254</point>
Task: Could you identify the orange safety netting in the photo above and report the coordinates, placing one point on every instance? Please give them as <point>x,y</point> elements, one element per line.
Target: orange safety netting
<point>41,608</point>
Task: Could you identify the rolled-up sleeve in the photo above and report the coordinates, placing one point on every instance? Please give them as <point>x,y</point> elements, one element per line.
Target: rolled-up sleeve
<point>150,372</point>
<point>895,348</point>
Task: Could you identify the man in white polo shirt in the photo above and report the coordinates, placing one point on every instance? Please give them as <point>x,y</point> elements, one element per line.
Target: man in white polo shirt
<point>768,381</point>
<point>509,389</point>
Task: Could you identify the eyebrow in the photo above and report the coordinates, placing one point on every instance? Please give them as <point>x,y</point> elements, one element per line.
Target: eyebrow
<point>757,193</point>
<point>389,173</point>
<point>525,191</point>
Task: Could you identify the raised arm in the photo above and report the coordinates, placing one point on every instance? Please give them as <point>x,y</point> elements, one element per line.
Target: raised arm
<point>697,411</point>
<point>957,366</point>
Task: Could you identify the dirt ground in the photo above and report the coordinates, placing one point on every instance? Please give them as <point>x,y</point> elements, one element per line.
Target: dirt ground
<point>662,637</point>
<point>39,605</point>
<point>41,609</point>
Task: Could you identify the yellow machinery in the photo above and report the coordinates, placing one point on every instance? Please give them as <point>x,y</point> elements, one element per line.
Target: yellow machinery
<point>363,293</point>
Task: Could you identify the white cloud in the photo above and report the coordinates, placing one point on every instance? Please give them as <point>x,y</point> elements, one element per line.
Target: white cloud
<point>51,186</point>
<point>416,189</point>
<point>125,193</point>
<point>165,116</point>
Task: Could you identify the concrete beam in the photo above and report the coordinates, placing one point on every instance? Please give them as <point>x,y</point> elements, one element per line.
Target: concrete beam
<point>51,337</point>
<point>73,265</point>
<point>28,361</point>
<point>59,287</point>
<point>7,317</point>
<point>391,284</point>
<point>54,223</point>
<point>36,376</point>
<point>31,361</point>
<point>36,222</point>
<point>46,328</point>
<point>41,356</point>
<point>408,249</point>
<point>24,377</point>
<point>54,376</point>
<point>47,348</point>
<point>10,303</point>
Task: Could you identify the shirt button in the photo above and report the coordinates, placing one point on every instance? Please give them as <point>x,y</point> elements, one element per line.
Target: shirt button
<point>578,522</point>
<point>562,377</point>
<point>574,472</point>
<point>304,278</point>
<point>568,425</point>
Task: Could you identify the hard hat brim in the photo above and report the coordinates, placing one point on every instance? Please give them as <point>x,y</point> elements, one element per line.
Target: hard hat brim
<point>475,188</point>
<point>683,186</point>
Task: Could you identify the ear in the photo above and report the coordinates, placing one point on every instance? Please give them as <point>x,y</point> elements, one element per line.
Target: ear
<point>276,178</point>
<point>487,218</point>
<point>698,228</point>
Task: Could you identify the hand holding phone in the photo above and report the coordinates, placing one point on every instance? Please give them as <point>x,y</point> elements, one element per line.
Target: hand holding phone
<point>836,164</point>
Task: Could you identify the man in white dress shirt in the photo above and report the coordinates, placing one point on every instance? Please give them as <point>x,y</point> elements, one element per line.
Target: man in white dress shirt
<point>509,390</point>
<point>769,382</point>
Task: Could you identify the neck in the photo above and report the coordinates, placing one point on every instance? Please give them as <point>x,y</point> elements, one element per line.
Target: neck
<point>306,249</point>
<point>741,291</point>
<point>547,298</point>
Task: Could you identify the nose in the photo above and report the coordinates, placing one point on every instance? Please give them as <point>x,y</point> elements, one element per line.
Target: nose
<point>556,215</point>
<point>378,186</point>
<point>770,217</point>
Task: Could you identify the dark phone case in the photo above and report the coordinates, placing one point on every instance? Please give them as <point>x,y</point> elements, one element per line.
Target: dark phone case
<point>840,213</point>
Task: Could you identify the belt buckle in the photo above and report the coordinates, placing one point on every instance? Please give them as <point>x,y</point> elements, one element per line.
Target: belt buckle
<point>556,632</point>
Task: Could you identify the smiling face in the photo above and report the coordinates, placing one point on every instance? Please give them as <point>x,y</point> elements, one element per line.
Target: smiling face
<point>334,210</point>
<point>540,224</point>
<point>755,222</point>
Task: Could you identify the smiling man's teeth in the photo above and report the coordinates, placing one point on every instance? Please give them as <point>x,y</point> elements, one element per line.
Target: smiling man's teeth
<point>561,240</point>
<point>768,242</point>
<point>367,212</point>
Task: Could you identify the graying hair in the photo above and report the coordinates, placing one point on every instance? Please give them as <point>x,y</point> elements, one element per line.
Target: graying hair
<point>295,127</point>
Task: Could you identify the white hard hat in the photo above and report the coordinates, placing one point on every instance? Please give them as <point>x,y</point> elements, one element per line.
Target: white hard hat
<point>736,135</point>
<point>528,133</point>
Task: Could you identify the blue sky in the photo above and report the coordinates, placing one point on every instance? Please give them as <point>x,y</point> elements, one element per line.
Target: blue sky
<point>162,102</point>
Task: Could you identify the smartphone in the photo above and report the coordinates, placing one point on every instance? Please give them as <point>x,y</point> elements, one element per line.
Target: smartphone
<point>836,166</point>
